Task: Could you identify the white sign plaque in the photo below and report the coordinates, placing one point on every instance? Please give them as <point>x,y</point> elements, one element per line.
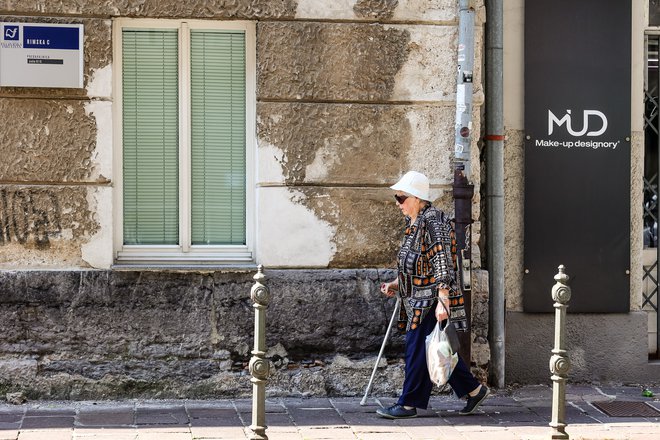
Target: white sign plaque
<point>41,55</point>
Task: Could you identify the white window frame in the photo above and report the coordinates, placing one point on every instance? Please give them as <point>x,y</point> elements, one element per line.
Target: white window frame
<point>184,254</point>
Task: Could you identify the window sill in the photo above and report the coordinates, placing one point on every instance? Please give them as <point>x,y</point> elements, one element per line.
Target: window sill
<point>172,257</point>
<point>205,267</point>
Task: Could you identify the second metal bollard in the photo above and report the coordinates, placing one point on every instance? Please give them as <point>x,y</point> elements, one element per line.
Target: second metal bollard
<point>559,362</point>
<point>259,367</point>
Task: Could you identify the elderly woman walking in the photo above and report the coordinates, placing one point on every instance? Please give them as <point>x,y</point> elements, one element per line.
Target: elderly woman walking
<point>427,275</point>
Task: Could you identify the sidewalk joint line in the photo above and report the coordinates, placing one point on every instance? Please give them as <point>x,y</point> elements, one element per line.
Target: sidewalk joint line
<point>606,395</point>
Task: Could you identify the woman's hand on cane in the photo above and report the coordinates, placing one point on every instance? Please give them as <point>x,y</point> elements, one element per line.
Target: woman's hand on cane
<point>390,289</point>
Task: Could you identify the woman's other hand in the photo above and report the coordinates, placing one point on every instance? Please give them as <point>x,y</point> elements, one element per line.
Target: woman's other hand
<point>390,289</point>
<point>441,312</point>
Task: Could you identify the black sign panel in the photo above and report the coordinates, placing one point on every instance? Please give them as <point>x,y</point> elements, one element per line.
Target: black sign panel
<point>577,152</point>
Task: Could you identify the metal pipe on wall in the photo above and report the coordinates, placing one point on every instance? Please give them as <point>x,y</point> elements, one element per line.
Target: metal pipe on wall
<point>462,189</point>
<point>463,126</point>
<point>494,139</point>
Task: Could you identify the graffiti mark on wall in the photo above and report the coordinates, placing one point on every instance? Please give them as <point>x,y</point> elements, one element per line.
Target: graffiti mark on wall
<point>29,215</point>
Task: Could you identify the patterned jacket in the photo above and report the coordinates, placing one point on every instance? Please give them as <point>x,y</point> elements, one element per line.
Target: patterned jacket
<point>426,263</point>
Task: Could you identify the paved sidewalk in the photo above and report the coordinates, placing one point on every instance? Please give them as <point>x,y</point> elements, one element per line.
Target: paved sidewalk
<point>520,413</point>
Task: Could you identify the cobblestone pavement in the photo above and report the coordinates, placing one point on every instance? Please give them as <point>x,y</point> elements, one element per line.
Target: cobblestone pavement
<point>520,413</point>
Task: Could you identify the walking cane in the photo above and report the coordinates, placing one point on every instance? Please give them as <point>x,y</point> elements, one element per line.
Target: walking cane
<point>382,348</point>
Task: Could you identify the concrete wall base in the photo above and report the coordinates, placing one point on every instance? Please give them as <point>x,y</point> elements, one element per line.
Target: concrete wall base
<point>601,348</point>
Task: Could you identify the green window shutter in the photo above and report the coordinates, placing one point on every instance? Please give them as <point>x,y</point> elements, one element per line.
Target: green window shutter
<point>218,137</point>
<point>150,136</point>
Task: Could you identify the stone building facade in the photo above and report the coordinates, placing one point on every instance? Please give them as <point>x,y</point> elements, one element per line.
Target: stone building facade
<point>342,97</point>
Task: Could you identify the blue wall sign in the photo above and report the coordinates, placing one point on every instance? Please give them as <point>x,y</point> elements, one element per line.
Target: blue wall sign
<point>41,55</point>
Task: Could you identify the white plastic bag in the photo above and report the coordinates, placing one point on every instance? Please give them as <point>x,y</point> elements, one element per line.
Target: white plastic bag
<point>440,360</point>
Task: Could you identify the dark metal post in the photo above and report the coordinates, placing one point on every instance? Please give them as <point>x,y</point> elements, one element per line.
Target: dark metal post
<point>463,192</point>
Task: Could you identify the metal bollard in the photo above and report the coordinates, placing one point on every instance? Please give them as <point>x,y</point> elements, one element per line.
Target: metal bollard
<point>559,362</point>
<point>259,367</point>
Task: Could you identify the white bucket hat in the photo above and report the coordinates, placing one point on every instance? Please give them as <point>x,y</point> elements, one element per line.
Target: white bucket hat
<point>414,183</point>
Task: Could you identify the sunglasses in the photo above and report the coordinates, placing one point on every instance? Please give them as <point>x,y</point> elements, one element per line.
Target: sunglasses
<point>400,199</point>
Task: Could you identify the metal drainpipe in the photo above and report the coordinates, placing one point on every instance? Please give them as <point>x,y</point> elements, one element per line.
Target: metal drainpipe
<point>495,189</point>
<point>462,189</point>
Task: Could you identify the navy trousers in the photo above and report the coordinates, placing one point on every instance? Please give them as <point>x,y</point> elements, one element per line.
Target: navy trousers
<point>417,385</point>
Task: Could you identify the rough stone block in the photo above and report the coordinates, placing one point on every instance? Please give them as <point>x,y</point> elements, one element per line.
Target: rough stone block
<point>480,299</point>
<point>349,313</point>
<point>15,399</point>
